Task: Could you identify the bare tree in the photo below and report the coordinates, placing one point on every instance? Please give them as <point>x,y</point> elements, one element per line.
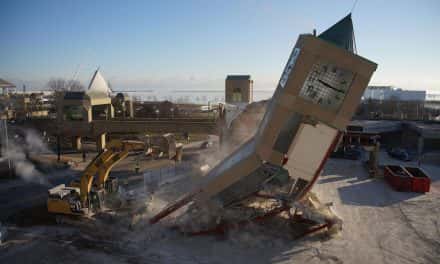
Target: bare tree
<point>60,84</point>
<point>57,84</point>
<point>74,85</point>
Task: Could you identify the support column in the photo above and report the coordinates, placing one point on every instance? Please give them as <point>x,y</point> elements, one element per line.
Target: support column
<point>89,114</point>
<point>110,112</point>
<point>130,109</point>
<point>420,146</point>
<point>100,142</point>
<point>76,143</point>
<point>58,148</point>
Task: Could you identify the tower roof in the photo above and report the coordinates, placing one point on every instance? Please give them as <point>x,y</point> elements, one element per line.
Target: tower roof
<point>238,77</point>
<point>341,34</point>
<point>98,85</point>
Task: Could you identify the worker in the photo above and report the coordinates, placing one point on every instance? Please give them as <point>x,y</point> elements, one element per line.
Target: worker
<point>137,166</point>
<point>186,136</point>
<point>84,156</point>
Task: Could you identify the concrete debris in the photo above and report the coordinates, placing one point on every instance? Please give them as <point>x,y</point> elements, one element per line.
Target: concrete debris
<point>205,168</point>
<point>212,217</point>
<point>312,209</point>
<point>201,217</point>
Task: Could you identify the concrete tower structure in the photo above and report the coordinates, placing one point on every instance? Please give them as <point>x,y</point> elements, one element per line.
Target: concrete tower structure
<point>238,89</point>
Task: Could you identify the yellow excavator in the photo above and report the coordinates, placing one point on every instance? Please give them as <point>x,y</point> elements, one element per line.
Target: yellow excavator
<point>84,197</point>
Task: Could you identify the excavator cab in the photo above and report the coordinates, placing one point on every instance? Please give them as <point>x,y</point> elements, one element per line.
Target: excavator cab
<point>111,185</point>
<point>64,200</point>
<point>96,200</point>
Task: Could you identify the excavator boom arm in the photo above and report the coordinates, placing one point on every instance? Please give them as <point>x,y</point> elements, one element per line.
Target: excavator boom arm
<point>116,151</point>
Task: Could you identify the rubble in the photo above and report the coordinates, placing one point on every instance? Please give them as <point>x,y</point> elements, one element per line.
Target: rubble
<point>312,209</point>
<point>273,206</point>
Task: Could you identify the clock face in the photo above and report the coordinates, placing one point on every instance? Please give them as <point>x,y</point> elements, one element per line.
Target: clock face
<point>327,85</point>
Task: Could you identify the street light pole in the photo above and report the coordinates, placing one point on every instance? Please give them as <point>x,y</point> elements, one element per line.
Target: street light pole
<point>5,124</point>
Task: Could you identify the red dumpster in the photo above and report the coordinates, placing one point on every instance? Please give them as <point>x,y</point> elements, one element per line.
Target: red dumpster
<point>420,180</point>
<point>398,178</point>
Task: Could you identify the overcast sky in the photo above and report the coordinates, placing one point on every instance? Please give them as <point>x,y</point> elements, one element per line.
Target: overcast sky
<point>195,44</point>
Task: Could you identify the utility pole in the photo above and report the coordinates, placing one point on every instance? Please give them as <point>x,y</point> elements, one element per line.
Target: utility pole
<point>58,148</point>
<point>5,125</point>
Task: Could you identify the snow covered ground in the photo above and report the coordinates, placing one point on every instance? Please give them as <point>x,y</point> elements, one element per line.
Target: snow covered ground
<point>380,226</point>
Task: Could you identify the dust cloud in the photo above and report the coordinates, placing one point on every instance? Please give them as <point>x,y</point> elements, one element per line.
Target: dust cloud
<point>18,150</point>
<point>243,127</point>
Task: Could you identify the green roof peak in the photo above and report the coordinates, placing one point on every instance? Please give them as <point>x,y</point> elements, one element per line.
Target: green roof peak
<point>341,34</point>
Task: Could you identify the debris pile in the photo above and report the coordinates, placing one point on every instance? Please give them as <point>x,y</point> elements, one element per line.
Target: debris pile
<point>287,146</point>
<point>273,206</point>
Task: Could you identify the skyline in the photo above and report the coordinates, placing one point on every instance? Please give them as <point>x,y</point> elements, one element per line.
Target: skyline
<point>193,45</point>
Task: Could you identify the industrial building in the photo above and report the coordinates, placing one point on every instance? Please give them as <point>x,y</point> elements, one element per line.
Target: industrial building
<point>392,93</point>
<point>419,137</point>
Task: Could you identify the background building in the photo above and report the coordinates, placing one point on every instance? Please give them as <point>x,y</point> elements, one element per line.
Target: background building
<point>393,93</point>
<point>238,89</point>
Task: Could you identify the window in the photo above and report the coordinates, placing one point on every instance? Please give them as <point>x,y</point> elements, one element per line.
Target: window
<point>73,113</point>
<point>236,95</point>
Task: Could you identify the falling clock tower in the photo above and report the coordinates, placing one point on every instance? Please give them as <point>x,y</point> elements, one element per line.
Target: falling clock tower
<point>316,97</point>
